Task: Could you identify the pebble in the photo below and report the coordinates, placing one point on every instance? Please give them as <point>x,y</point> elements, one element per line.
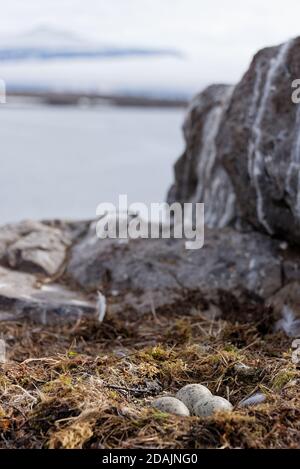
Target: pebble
<point>256,399</point>
<point>206,408</point>
<point>244,370</point>
<point>171,405</point>
<point>191,394</point>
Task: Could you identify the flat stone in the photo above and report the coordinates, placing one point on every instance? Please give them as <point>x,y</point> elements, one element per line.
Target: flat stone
<point>23,298</point>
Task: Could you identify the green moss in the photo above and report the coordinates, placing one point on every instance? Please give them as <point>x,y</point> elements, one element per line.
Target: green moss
<point>282,378</point>
<point>61,397</point>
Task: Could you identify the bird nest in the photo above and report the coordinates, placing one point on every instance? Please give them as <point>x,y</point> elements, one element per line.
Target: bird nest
<point>91,385</point>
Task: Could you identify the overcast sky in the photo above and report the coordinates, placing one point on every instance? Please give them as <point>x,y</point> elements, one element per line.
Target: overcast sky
<point>219,35</point>
<point>184,23</point>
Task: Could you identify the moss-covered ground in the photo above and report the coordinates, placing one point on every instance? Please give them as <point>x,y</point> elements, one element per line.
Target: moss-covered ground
<point>90,385</point>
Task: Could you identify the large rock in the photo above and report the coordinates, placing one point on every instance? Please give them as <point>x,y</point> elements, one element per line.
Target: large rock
<point>34,247</point>
<point>250,135</point>
<point>150,274</point>
<point>259,142</point>
<point>199,175</point>
<point>233,271</point>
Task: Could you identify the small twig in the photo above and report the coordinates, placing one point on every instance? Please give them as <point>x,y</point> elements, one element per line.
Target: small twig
<point>250,345</point>
<point>133,390</point>
<point>43,359</point>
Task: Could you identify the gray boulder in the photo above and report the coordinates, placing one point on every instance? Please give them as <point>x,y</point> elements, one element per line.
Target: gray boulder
<point>199,175</point>
<point>242,154</point>
<point>259,142</point>
<point>149,274</point>
<point>233,273</point>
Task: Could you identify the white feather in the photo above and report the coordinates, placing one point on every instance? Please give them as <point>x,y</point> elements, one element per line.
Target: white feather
<point>289,324</point>
<point>101,307</point>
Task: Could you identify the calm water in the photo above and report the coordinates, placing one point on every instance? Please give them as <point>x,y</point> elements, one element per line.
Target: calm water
<point>62,162</point>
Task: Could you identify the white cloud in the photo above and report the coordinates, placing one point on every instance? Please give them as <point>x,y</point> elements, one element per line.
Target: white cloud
<point>218,37</point>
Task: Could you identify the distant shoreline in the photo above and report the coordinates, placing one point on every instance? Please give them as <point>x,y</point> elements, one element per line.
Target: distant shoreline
<point>93,99</point>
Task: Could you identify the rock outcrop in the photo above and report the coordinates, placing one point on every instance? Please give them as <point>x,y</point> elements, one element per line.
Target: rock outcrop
<point>154,273</point>
<point>242,152</point>
<point>199,175</point>
<point>234,272</point>
<point>259,142</point>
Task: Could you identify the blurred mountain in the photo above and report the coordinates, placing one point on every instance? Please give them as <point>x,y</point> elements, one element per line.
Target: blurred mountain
<point>46,43</point>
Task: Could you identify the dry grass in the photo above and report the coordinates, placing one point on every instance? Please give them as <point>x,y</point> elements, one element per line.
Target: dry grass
<point>91,386</point>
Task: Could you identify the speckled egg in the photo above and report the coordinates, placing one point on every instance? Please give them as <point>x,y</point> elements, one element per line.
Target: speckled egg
<point>193,393</point>
<point>206,408</point>
<point>171,405</point>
